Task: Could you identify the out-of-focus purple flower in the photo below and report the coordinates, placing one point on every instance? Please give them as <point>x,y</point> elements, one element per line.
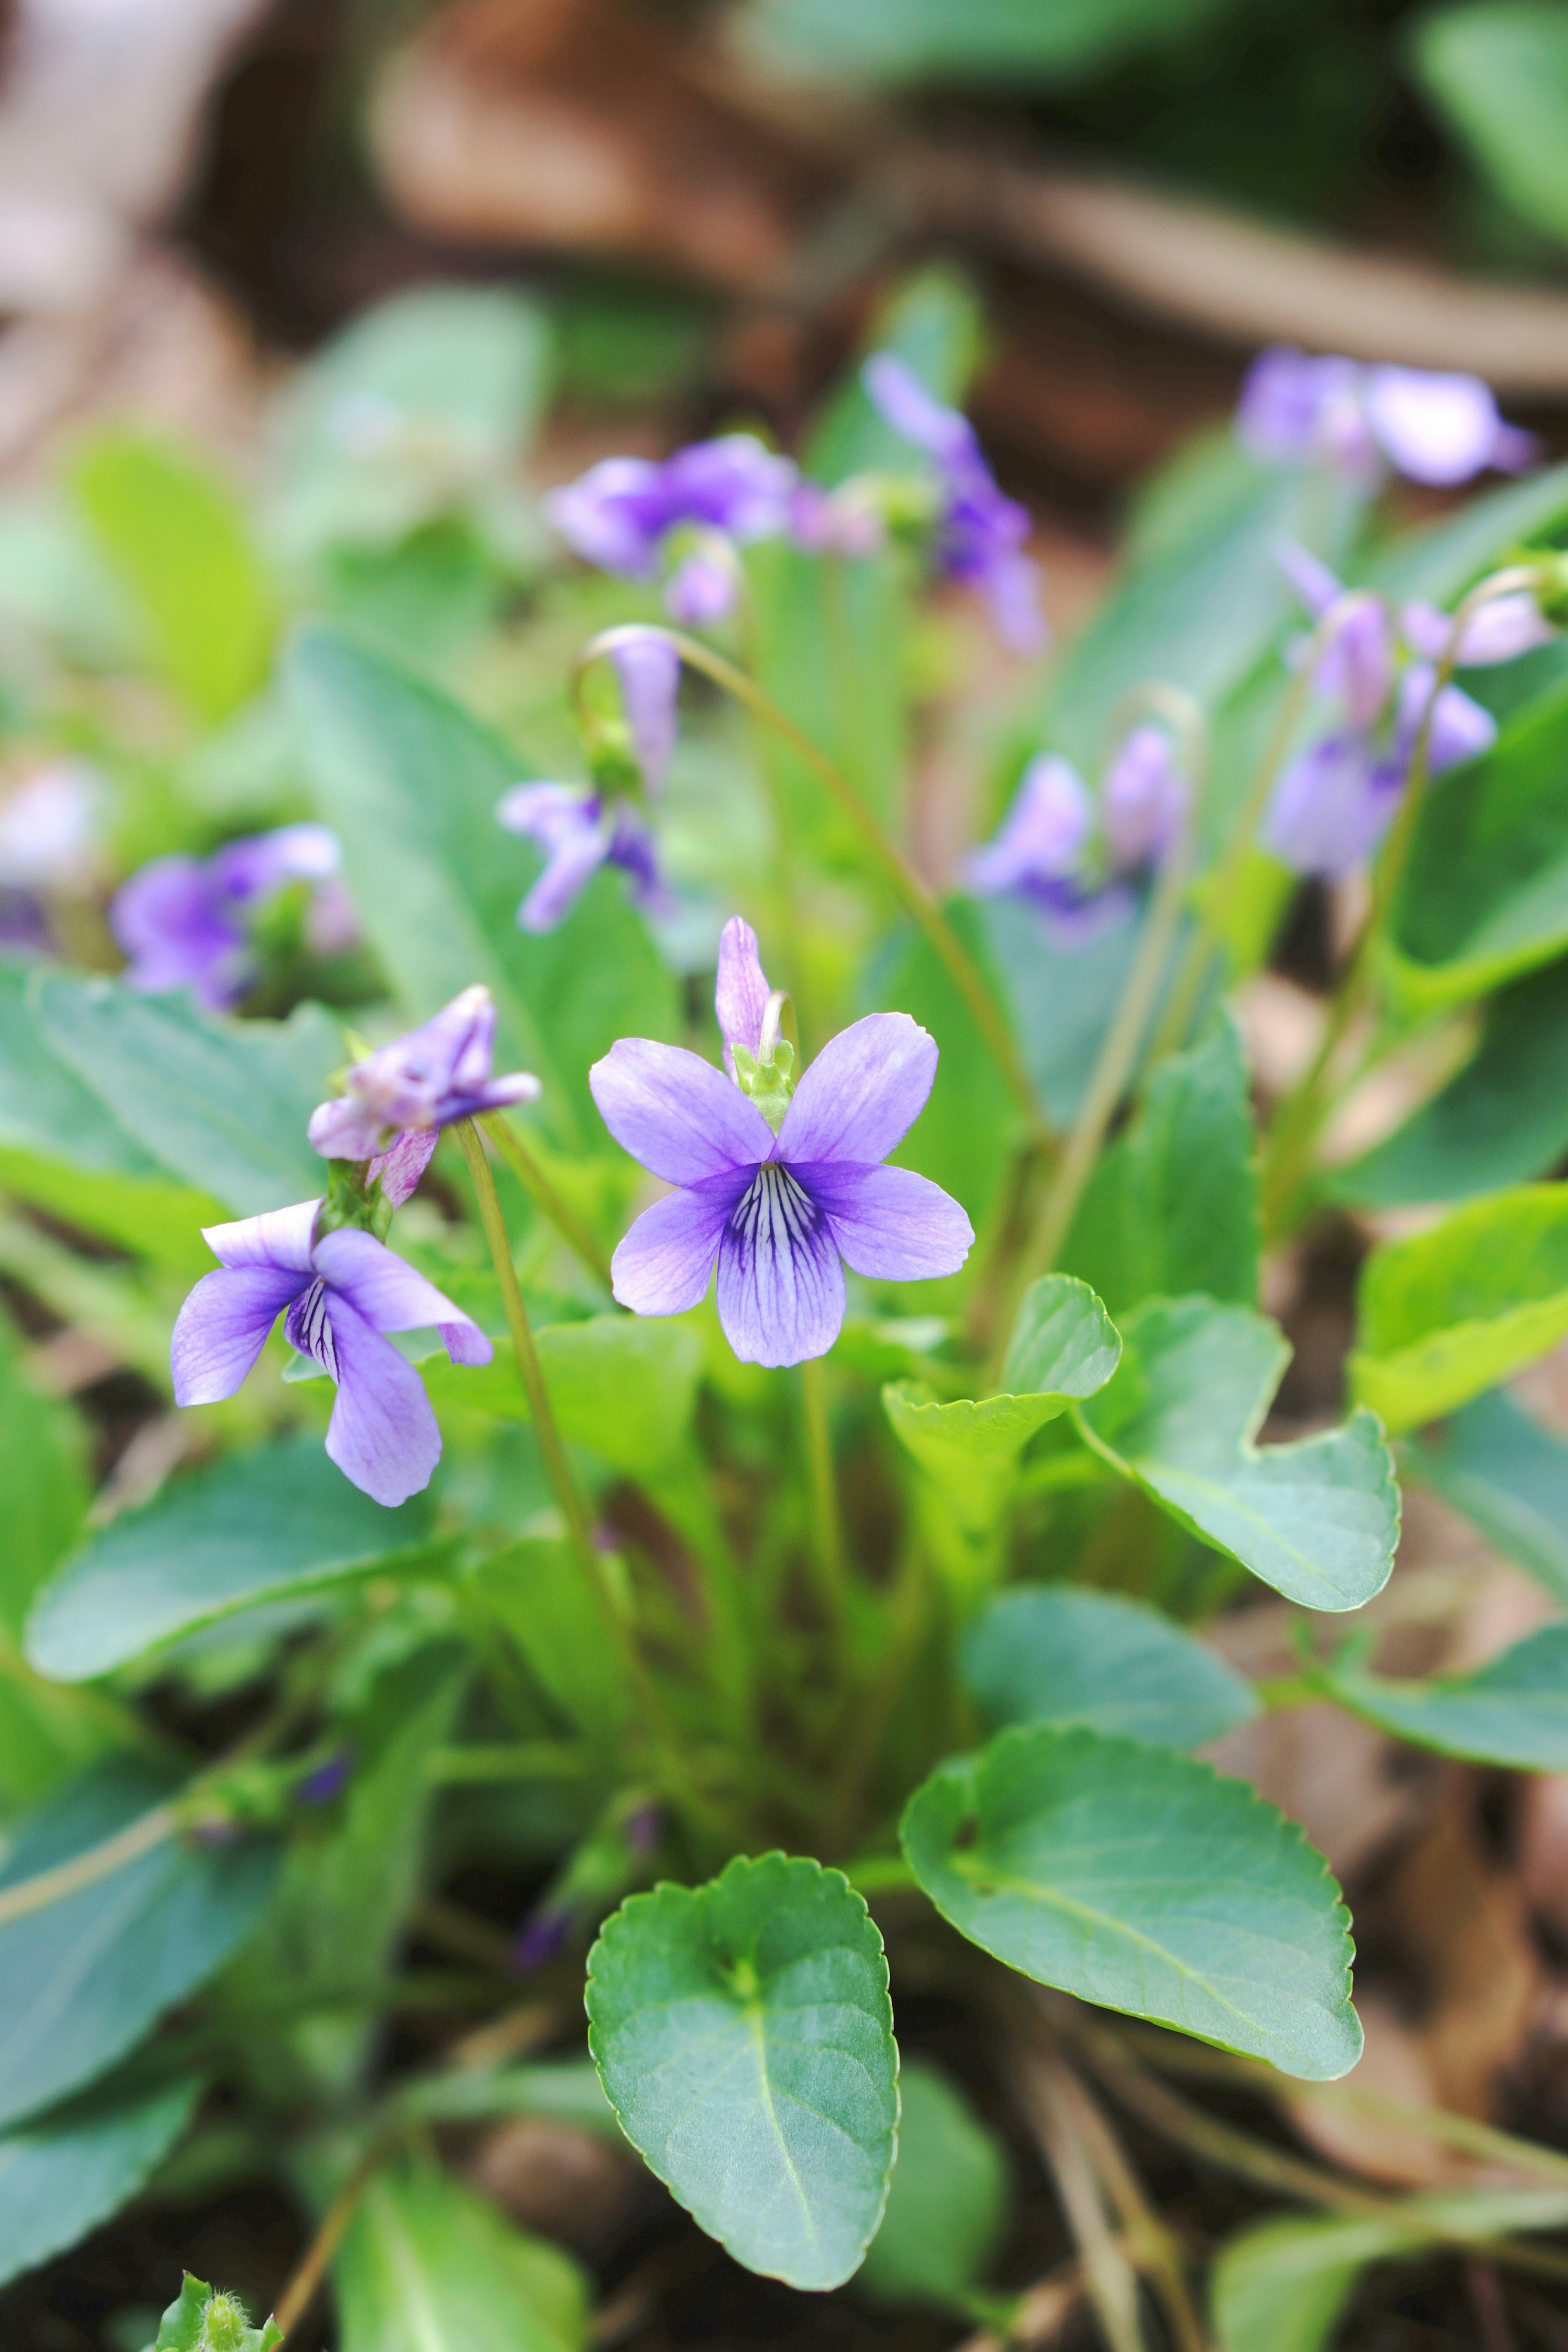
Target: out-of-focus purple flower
<point>342,1292</point>
<point>619,515</point>
<point>48,827</point>
<point>1331,805</point>
<point>420,1083</point>
<point>1437,428</point>
<point>780,1212</point>
<point>578,833</point>
<point>1143,798</point>
<point>846,521</point>
<point>187,922</point>
<point>649,670</point>
<point>1459,728</point>
<point>1497,631</point>
<point>702,588</point>
<point>1040,850</point>
<point>980,534</point>
<point>327,1781</point>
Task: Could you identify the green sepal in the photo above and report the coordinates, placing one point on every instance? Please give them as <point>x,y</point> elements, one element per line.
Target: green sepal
<point>198,2320</point>
<point>350,1201</point>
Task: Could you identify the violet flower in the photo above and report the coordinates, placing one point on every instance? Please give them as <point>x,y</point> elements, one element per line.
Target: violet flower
<point>621,515</point>
<point>187,922</point>
<point>1040,847</point>
<point>647,669</point>
<point>579,831</point>
<point>342,1292</point>
<point>1070,858</point>
<point>1438,428</point>
<point>980,534</point>
<point>418,1085</point>
<point>778,1200</point>
<point>1143,799</point>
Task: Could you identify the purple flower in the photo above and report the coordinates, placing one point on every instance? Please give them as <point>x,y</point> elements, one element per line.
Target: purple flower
<point>620,514</point>
<point>702,589</point>
<point>419,1083</point>
<point>185,922</point>
<point>1143,798</point>
<point>1331,805</point>
<point>1041,846</point>
<point>648,670</point>
<point>578,834</point>
<point>1497,631</point>
<point>342,1292</point>
<point>1435,427</point>
<point>778,1209</point>
<point>980,534</point>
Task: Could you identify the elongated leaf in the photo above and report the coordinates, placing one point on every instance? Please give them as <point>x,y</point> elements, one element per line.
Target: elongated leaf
<point>43,1485</point>
<point>743,2033</point>
<point>1455,1309</point>
<point>565,2090</point>
<point>947,2205</point>
<point>428,2266</point>
<point>176,538</point>
<point>537,1590</point>
<point>1441,560</point>
<point>64,2174</point>
<point>1143,1882</point>
<point>1508,1476</point>
<point>1500,76</point>
<point>1513,1711</point>
<point>84,1976</point>
<point>1009,44</point>
<point>1281,2286</point>
<point>1062,994</point>
<point>1145,1228</point>
<point>1050,1654</point>
<point>1317,1519</point>
<point>254,1526</point>
<point>1502,1120</point>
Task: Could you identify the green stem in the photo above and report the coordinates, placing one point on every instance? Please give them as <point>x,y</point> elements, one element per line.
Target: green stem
<point>828,1547</point>
<point>918,902</point>
<point>542,1193</point>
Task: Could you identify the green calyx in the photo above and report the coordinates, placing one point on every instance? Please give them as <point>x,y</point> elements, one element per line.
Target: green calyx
<point>200,2321</point>
<point>351,1201</point>
<point>766,1075</point>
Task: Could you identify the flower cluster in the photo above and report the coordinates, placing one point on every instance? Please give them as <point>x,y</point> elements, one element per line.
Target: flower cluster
<point>1296,409</point>
<point>778,1181</point>
<point>189,922</point>
<point>1335,798</point>
<point>1073,857</point>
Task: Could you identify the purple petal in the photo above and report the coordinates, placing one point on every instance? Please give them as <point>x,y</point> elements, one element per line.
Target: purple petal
<point>781,1286</point>
<point>1012,588</point>
<point>1331,806</point>
<point>1357,664</point>
<point>264,862</point>
<point>1143,798</point>
<point>571,868</point>
<point>701,590</point>
<point>223,1326</point>
<point>568,825</point>
<point>1316,585</point>
<point>437,1073</point>
<point>663,1265</point>
<point>912,411</point>
<point>173,923</point>
<point>677,1115</point>
<point>281,1237</point>
<point>862,1093</point>
<point>741,992</point>
<point>1294,409</point>
<point>392,1295</point>
<point>614,515</point>
<point>399,1167</point>
<point>632,849</point>
<point>1497,632</point>
<point>735,484</point>
<point>648,668</point>
<point>382,1432</point>
<point>1043,834</point>
<point>887,1222</point>
<point>1436,428</point>
<point>1459,728</point>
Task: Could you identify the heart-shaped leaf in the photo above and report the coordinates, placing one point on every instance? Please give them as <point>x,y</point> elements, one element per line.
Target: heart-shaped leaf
<point>1144,1882</point>
<point>1512,1711</point>
<point>744,2037</point>
<point>1050,1654</point>
<point>1317,1519</point>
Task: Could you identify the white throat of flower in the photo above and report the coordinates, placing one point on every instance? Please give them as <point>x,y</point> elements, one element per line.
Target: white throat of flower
<point>765,1075</point>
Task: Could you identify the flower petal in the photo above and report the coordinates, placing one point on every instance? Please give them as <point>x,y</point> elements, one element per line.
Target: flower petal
<point>663,1265</point>
<point>863,1093</point>
<point>1331,805</point>
<point>648,670</point>
<point>223,1326</point>
<point>677,1115</point>
<point>781,1286</point>
<point>391,1295</point>
<point>399,1167</point>
<point>382,1432</point>
<point>281,1237</point>
<point>1043,832</point>
<point>741,990</point>
<point>1436,428</point>
<point>887,1222</point>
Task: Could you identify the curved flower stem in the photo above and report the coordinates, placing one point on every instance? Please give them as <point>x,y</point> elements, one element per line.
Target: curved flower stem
<point>828,1547</point>
<point>918,902</point>
<point>1301,1114</point>
<point>542,1193</point>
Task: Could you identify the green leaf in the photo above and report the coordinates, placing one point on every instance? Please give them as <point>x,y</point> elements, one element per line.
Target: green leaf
<point>1317,1519</point>
<point>1485,893</point>
<point>1508,1476</point>
<point>1498,75</point>
<point>84,1976</point>
<point>62,2176</point>
<point>206,2319</point>
<point>743,2033</point>
<point>1050,1654</point>
<point>1502,1120</point>
<point>1453,1310</point>
<point>1143,1882</point>
<point>428,2266</point>
<point>174,536</point>
<point>1064,1346</point>
<point>43,1484</point>
<point>537,1590</point>
<point>565,2090</point>
<point>409,781</point>
<point>1281,2286</point>
<point>625,1386</point>
<point>1441,560</point>
<point>1062,994</point>
<point>1513,1711</point>
<point>255,1527</point>
<point>947,2203</point>
<point>1144,1229</point>
<point>222,1105</point>
<point>1006,44</point>
<point>962,1138</point>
